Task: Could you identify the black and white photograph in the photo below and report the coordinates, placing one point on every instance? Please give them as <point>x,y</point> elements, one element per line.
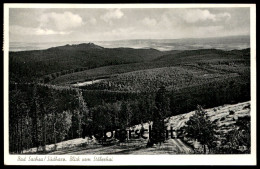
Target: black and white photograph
<point>84,83</point>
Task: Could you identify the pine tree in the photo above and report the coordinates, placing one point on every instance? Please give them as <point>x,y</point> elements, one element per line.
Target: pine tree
<point>238,137</point>
<point>161,111</point>
<point>83,115</point>
<point>34,115</point>
<point>200,127</point>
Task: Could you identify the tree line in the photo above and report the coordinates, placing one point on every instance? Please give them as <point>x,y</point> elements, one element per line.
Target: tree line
<point>40,115</point>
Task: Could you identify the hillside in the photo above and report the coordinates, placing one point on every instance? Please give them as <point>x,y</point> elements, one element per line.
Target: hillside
<point>220,114</point>
<point>30,65</point>
<point>47,65</point>
<point>206,54</point>
<point>210,61</point>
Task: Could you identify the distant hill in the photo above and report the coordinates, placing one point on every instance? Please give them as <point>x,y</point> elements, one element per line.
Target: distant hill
<point>82,46</point>
<point>223,43</point>
<point>28,66</point>
<point>205,54</point>
<point>33,64</point>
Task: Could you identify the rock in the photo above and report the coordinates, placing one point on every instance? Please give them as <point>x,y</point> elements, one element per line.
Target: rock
<point>235,118</point>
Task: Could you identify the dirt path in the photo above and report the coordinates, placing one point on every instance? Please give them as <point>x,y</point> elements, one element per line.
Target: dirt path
<point>170,146</point>
<point>122,148</point>
<point>185,148</point>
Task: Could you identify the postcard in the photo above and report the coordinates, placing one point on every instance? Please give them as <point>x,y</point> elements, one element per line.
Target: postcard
<point>129,84</point>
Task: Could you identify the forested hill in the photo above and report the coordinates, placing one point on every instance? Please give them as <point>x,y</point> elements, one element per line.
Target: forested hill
<point>44,65</point>
<point>34,64</point>
<point>205,54</point>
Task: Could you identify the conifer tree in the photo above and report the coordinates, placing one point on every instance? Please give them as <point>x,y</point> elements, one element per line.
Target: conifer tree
<point>161,111</point>
<point>200,127</point>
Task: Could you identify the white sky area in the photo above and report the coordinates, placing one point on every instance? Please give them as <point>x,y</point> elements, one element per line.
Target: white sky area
<point>84,24</point>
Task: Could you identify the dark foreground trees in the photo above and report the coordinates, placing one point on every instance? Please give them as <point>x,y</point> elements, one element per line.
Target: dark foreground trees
<point>200,128</point>
<point>238,140</point>
<point>161,111</point>
<point>40,115</point>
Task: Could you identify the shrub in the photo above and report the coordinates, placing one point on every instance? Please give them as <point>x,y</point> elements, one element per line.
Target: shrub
<point>222,119</point>
<point>231,112</point>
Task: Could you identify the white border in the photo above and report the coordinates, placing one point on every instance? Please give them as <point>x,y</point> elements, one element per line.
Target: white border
<point>138,159</point>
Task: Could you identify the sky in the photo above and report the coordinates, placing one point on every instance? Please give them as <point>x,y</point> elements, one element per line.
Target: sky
<point>106,24</point>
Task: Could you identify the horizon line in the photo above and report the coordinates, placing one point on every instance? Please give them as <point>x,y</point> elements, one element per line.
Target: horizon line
<point>131,39</point>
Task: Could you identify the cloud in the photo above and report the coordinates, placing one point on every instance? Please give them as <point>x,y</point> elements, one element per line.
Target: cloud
<point>122,30</point>
<point>110,24</point>
<point>199,15</point>
<point>195,15</point>
<point>40,31</point>
<point>223,16</point>
<point>209,29</point>
<point>149,21</point>
<point>66,21</point>
<point>93,21</point>
<point>112,14</point>
<point>20,30</point>
<point>205,31</point>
